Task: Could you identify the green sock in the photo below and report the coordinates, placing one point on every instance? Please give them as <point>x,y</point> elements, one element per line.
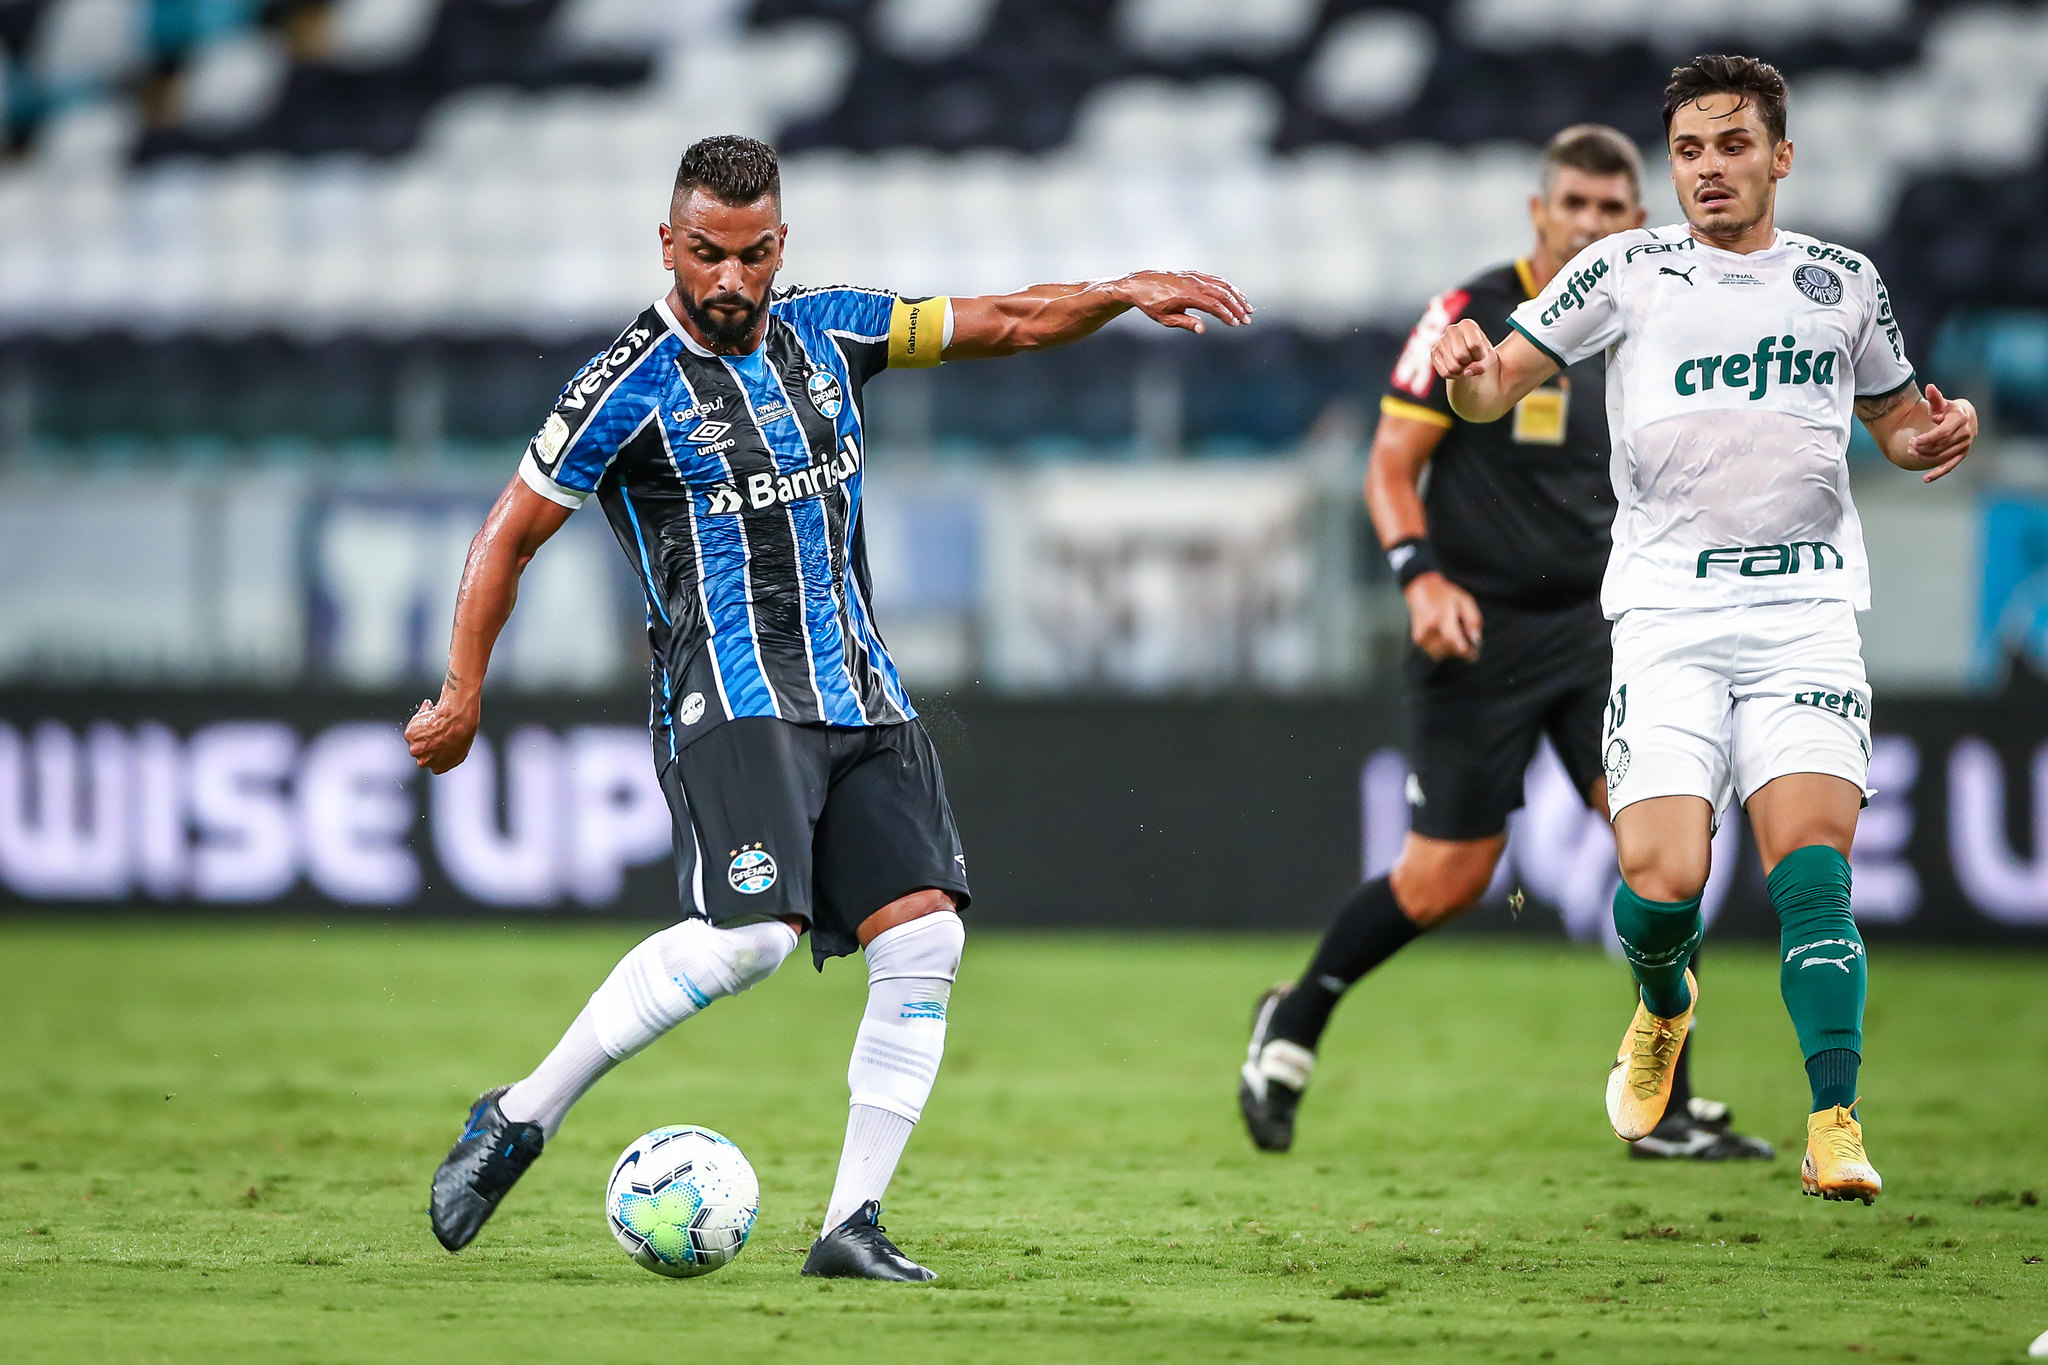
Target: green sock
<point>1832,1075</point>
<point>1821,971</point>
<point>1659,938</point>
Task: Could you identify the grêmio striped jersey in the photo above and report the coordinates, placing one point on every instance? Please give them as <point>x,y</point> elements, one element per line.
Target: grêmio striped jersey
<point>733,484</point>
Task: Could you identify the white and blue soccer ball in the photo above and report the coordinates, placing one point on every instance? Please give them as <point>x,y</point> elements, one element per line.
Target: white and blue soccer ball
<point>682,1200</point>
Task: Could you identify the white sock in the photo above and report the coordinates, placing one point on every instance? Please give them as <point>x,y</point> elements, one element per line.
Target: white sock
<point>665,979</point>
<point>576,1064</point>
<point>874,1144</point>
<point>896,1054</point>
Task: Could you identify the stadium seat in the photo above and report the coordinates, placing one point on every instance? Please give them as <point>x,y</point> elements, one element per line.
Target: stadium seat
<point>194,168</point>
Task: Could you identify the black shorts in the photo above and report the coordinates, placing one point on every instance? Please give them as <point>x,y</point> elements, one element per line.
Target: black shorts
<point>826,824</point>
<point>1473,727</point>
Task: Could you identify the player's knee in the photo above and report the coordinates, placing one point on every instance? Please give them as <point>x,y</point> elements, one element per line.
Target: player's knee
<point>1431,891</point>
<point>732,959</point>
<point>1664,874</point>
<point>927,947</point>
<point>757,950</point>
<point>1774,844</point>
<point>906,910</point>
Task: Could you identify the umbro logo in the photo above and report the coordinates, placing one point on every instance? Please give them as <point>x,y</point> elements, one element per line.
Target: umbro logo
<point>1685,275</point>
<point>707,432</point>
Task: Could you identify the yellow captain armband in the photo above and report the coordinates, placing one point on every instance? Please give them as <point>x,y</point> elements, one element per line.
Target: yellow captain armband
<point>918,331</point>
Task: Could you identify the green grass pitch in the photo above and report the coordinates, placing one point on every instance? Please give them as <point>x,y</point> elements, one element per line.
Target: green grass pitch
<point>216,1145</point>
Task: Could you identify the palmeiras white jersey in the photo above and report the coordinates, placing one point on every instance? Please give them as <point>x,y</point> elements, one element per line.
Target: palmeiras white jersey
<point>1731,384</point>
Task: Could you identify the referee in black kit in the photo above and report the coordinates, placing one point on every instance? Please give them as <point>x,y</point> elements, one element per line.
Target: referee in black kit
<point>1501,563</point>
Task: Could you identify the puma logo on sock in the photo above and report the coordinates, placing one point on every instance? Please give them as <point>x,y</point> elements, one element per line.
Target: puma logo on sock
<point>1856,950</point>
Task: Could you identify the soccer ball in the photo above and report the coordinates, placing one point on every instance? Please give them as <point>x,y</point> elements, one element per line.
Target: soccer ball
<point>681,1201</point>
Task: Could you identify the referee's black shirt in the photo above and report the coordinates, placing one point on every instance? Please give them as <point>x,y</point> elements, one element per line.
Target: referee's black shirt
<point>1520,510</point>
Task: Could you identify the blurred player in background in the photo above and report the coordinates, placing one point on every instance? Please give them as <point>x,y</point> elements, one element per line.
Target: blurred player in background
<point>1501,564</point>
<point>1738,354</point>
<point>722,433</point>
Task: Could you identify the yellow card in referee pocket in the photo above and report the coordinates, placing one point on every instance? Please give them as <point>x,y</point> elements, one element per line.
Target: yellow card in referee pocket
<point>1539,418</point>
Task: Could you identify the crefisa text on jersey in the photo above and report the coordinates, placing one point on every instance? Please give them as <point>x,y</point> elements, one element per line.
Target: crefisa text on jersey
<point>765,490</point>
<point>1574,296</point>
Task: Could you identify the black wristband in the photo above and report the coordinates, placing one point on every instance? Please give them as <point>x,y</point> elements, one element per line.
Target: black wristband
<point>1410,559</point>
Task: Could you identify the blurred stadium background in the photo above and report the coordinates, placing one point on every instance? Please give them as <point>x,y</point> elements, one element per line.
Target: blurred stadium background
<point>285,285</point>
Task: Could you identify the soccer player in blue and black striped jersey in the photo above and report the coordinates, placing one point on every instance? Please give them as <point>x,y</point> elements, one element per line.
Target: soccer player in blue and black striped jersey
<point>722,434</point>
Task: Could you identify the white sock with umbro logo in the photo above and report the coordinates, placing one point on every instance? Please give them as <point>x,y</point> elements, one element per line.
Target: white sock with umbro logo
<point>896,1054</point>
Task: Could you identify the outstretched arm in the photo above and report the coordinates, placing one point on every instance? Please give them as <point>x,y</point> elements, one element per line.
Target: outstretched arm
<point>1484,382</point>
<point>1054,314</point>
<point>440,733</point>
<point>1929,434</point>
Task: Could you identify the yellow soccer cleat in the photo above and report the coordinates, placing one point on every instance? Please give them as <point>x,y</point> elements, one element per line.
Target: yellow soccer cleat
<point>1836,1166</point>
<point>1639,1086</point>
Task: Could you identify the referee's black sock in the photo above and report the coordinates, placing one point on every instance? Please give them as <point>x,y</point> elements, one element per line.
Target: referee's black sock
<point>1369,928</point>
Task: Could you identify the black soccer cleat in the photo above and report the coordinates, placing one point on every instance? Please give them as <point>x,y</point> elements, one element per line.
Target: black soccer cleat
<point>1275,1074</point>
<point>485,1162</point>
<point>1703,1131</point>
<point>857,1250</point>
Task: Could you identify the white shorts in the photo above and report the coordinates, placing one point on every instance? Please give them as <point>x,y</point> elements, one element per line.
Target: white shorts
<point>1715,702</point>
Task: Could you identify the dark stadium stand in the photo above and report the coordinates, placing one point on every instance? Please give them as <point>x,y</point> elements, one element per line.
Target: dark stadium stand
<point>210,95</point>
<point>1022,81</point>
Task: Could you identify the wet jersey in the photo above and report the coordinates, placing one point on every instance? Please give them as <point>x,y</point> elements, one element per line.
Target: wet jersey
<point>1519,510</point>
<point>1731,384</point>
<point>733,483</point>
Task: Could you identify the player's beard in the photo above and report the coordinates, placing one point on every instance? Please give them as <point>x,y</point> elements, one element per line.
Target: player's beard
<point>729,329</point>
<point>1728,228</point>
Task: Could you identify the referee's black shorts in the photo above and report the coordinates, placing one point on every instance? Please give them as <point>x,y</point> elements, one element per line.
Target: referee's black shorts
<point>1473,727</point>
<point>827,824</point>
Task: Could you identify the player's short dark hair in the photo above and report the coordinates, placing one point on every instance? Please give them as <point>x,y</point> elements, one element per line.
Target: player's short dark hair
<point>731,169</point>
<point>1595,149</point>
<point>1756,82</point>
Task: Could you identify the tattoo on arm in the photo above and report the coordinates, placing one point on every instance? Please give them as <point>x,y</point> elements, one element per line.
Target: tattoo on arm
<point>1874,409</point>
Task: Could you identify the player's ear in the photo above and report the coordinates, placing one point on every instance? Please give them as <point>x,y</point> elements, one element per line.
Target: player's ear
<point>1781,160</point>
<point>668,248</point>
<point>1536,211</point>
<point>1642,216</point>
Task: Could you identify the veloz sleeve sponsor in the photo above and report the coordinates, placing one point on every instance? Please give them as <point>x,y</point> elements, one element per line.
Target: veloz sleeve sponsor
<point>566,458</point>
<point>1575,316</point>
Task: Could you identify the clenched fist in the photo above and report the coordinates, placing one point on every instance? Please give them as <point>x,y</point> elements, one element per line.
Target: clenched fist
<point>1463,352</point>
<point>440,733</point>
